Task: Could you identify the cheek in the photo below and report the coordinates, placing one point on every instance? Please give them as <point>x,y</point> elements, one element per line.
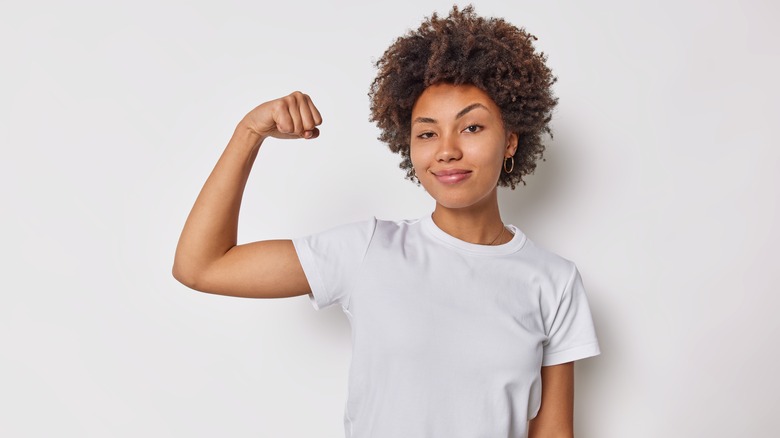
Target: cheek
<point>487,154</point>
<point>417,155</point>
<point>491,163</point>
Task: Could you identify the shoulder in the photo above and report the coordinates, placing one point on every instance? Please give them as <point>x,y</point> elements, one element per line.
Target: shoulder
<point>389,225</point>
<point>359,227</point>
<point>552,265</point>
<point>366,229</point>
<point>355,235</point>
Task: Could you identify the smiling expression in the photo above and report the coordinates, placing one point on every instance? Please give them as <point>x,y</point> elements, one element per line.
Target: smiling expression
<point>458,144</point>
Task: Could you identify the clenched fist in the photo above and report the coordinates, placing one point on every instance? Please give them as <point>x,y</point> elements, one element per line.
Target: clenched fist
<point>291,116</point>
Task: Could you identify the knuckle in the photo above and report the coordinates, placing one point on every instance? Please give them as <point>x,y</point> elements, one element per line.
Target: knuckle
<point>279,106</point>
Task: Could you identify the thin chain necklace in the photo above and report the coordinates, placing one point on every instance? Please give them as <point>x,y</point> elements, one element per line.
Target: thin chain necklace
<point>499,234</point>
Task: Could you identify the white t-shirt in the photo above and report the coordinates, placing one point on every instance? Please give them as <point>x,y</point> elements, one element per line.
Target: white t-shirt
<point>448,337</point>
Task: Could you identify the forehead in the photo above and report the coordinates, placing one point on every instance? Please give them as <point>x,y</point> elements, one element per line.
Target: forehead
<point>448,99</point>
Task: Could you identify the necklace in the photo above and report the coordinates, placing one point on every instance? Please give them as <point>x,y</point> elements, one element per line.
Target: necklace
<point>499,234</point>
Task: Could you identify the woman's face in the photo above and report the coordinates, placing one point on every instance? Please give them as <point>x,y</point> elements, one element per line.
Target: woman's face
<point>458,144</point>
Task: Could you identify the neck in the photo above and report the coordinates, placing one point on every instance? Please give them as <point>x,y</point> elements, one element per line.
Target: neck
<point>479,224</point>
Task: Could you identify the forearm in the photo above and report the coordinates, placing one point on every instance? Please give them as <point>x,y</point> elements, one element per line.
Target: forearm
<point>211,228</point>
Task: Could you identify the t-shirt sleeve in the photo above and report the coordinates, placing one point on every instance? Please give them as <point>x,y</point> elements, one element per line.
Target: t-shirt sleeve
<point>330,260</point>
<point>571,335</point>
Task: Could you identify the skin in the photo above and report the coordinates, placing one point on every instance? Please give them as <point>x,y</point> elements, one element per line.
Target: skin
<point>555,418</point>
<point>453,128</point>
<point>460,128</point>
<point>208,258</point>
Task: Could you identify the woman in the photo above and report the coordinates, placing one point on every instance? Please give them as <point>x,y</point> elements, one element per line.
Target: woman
<point>461,325</point>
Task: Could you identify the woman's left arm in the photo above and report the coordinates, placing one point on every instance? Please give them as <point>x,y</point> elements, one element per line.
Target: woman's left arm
<point>556,414</point>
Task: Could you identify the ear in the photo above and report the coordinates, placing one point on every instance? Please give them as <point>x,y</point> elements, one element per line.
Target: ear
<point>511,144</point>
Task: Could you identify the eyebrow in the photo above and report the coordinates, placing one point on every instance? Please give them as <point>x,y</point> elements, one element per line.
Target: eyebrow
<point>464,111</point>
<point>460,114</point>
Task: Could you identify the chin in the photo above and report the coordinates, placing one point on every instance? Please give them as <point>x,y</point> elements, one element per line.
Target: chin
<point>456,202</point>
<point>459,199</point>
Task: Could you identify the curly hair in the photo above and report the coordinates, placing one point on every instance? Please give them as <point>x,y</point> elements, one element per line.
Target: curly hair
<point>463,48</point>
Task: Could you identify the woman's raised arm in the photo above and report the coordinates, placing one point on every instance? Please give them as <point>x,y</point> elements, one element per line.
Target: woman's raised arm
<point>208,258</point>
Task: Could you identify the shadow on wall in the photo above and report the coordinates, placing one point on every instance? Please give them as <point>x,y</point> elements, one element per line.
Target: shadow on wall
<point>524,205</point>
<point>528,207</point>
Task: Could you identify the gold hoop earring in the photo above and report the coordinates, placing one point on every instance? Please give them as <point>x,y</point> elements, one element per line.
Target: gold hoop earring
<point>512,167</point>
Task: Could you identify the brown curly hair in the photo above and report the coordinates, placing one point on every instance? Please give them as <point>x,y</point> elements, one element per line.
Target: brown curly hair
<point>464,48</point>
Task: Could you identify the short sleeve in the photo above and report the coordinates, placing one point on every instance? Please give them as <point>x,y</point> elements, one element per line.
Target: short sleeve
<point>330,260</point>
<point>571,335</point>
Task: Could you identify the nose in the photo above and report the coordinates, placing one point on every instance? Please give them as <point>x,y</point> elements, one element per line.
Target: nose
<point>448,150</point>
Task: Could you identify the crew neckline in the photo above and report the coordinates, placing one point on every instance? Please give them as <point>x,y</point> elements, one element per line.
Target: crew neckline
<point>514,245</point>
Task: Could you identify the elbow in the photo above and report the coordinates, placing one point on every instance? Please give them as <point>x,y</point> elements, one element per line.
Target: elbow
<point>184,276</point>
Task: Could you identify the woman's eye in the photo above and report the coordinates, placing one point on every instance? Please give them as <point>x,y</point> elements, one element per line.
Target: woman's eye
<point>473,128</point>
<point>425,135</point>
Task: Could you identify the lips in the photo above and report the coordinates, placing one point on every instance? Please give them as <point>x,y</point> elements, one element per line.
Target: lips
<point>451,176</point>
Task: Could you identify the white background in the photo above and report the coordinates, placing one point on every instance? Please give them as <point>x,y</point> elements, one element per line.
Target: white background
<point>661,183</point>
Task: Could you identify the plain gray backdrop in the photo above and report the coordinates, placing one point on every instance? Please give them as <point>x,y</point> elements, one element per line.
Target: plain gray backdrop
<point>661,183</point>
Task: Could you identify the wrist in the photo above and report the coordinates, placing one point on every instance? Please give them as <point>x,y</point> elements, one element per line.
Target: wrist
<point>246,138</point>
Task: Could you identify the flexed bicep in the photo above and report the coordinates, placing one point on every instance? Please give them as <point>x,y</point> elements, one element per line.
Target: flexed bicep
<point>207,257</point>
<point>264,269</point>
